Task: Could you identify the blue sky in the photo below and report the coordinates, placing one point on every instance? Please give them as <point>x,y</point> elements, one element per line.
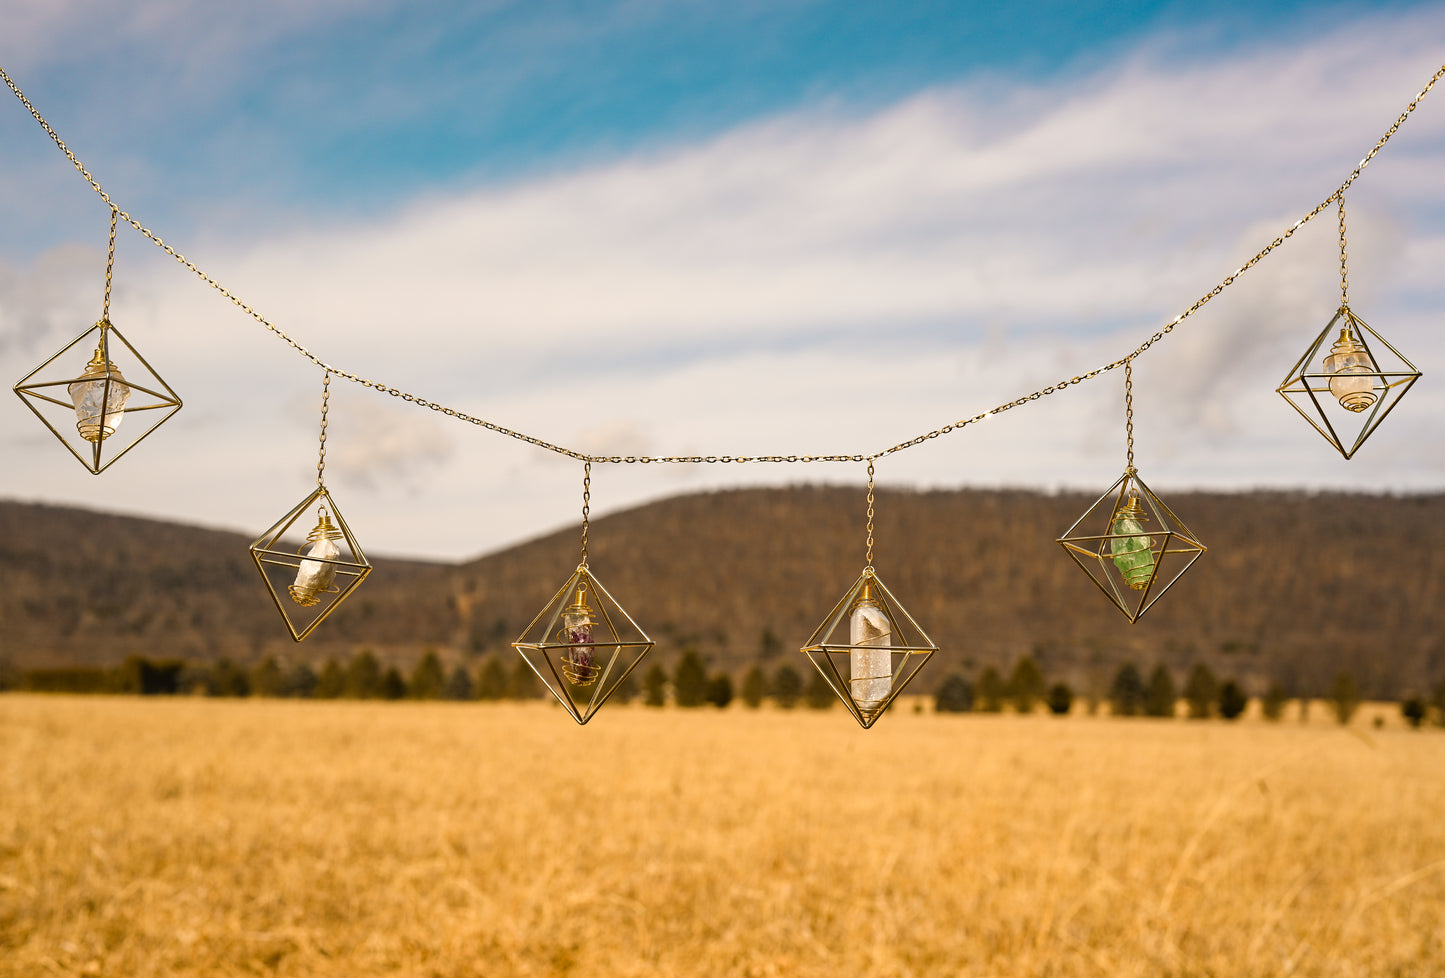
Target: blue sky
<point>751,227</point>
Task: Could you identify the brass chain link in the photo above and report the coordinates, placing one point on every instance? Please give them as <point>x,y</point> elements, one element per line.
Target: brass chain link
<point>869,563</point>
<point>109,268</point>
<point>1344,277</point>
<point>586,507</point>
<point>1129,407</point>
<point>321,459</point>
<point>1336,195</point>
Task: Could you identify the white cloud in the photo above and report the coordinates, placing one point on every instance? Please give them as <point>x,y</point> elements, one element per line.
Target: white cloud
<point>818,283</point>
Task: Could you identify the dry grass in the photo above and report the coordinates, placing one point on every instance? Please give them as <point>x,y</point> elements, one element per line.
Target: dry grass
<point>190,837</point>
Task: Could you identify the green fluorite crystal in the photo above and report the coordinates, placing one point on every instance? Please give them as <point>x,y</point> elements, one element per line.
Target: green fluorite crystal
<point>1130,547</point>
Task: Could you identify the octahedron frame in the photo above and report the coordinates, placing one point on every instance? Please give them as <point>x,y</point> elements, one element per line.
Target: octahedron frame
<point>36,392</point>
<point>1087,542</point>
<point>1302,386</point>
<point>264,551</point>
<point>908,656</point>
<point>539,646</point>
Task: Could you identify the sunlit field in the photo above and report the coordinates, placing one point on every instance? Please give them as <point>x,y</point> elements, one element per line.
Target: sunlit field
<point>153,837</point>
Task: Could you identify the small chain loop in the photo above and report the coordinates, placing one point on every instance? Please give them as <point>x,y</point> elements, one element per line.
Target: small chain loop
<point>869,564</point>
<point>586,506</point>
<point>1344,277</point>
<point>1129,407</point>
<point>321,458</point>
<point>109,265</point>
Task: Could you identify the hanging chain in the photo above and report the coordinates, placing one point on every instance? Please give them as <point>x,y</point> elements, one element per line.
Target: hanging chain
<point>1337,194</point>
<point>1344,277</point>
<point>586,507</point>
<point>868,568</point>
<point>1129,407</point>
<point>321,459</point>
<point>109,266</point>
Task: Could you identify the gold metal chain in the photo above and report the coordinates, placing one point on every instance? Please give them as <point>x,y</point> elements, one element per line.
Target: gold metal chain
<point>1336,195</point>
<point>321,459</point>
<point>869,565</point>
<point>1129,407</point>
<point>109,268</point>
<point>1344,277</point>
<point>586,506</point>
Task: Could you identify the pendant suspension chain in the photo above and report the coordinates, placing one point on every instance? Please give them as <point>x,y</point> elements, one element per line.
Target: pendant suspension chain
<point>1129,408</point>
<point>869,566</point>
<point>321,459</point>
<point>1335,195</point>
<point>109,266</point>
<point>586,506</point>
<point>1344,278</point>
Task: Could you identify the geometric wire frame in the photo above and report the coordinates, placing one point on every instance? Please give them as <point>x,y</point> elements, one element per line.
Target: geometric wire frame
<point>832,654</point>
<point>132,372</point>
<point>1305,388</point>
<point>616,646</point>
<point>1098,544</point>
<point>280,564</point>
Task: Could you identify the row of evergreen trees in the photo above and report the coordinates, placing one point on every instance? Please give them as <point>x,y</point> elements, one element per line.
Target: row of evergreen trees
<point>1024,690</point>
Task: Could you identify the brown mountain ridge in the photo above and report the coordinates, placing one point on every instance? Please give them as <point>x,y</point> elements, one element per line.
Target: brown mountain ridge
<point>1295,587</point>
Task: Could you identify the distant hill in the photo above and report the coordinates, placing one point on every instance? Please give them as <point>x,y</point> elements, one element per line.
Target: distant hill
<point>1295,586</point>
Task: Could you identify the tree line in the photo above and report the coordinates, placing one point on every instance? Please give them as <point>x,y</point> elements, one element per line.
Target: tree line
<point>1026,689</point>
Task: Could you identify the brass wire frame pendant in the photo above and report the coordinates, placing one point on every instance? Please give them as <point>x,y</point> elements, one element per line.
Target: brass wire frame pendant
<point>1131,545</point>
<point>98,399</point>
<point>583,645</point>
<point>309,581</point>
<point>1345,385</point>
<point>869,648</point>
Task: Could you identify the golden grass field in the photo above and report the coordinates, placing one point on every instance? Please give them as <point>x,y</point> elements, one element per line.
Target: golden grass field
<point>159,837</point>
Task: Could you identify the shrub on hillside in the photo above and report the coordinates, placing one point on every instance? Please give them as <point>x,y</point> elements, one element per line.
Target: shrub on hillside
<point>1126,692</point>
<point>1060,699</point>
<point>787,686</point>
<point>1160,695</point>
<point>955,695</point>
<point>1232,700</point>
<point>1344,697</point>
<point>689,680</point>
<point>720,690</point>
<point>654,686</point>
<point>755,687</point>
<point>1201,691</point>
<point>1026,685</point>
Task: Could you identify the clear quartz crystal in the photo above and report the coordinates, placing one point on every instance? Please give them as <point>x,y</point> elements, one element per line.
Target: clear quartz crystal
<point>577,632</point>
<point>1347,362</point>
<point>1130,547</point>
<point>870,662</point>
<point>99,412</point>
<point>315,576</point>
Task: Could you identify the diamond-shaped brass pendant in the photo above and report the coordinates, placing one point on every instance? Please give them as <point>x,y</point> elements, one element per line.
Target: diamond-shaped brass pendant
<point>868,648</point>
<point>582,645</point>
<point>307,580</point>
<point>1131,545</point>
<point>1344,386</point>
<point>85,410</point>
